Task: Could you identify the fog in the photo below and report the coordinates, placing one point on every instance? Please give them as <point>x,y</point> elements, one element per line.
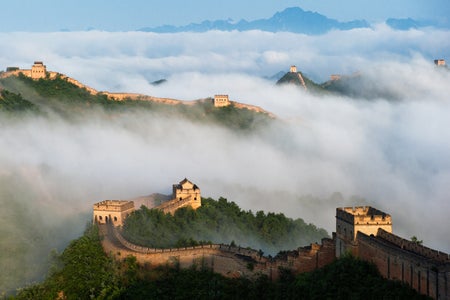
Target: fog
<point>326,151</point>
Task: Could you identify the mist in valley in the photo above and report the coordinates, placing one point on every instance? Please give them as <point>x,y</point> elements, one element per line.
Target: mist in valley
<point>322,152</point>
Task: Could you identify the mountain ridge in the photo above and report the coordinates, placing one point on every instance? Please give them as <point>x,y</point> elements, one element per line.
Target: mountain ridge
<point>296,20</point>
<point>123,96</point>
<point>292,19</point>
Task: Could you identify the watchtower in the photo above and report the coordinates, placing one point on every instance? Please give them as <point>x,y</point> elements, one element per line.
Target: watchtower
<point>439,62</point>
<point>293,69</point>
<point>221,100</point>
<point>187,190</point>
<point>38,70</point>
<point>334,77</point>
<point>350,220</point>
<point>112,211</point>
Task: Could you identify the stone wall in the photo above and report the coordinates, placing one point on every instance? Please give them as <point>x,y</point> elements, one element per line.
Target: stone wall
<point>130,96</point>
<point>252,108</point>
<point>227,260</point>
<point>172,205</point>
<point>305,259</point>
<point>425,270</point>
<point>413,247</point>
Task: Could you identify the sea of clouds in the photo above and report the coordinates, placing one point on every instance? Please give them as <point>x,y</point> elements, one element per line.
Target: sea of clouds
<point>327,151</point>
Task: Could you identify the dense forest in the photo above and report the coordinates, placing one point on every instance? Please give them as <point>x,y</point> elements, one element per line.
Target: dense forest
<point>68,100</point>
<point>219,221</point>
<point>11,102</point>
<point>83,271</point>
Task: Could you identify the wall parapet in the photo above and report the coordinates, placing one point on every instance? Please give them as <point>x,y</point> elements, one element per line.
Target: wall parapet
<point>363,215</point>
<point>423,269</point>
<point>174,204</point>
<point>222,247</point>
<point>304,259</point>
<point>413,247</point>
<point>114,205</point>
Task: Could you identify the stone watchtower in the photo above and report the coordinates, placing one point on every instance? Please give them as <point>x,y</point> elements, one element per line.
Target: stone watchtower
<point>38,70</point>
<point>221,100</point>
<point>186,190</point>
<point>350,220</point>
<point>112,211</point>
<point>293,69</point>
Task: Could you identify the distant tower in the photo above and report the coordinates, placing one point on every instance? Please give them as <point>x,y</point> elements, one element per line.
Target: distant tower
<point>293,69</point>
<point>350,220</point>
<point>439,62</point>
<point>221,100</point>
<point>38,70</point>
<point>334,77</point>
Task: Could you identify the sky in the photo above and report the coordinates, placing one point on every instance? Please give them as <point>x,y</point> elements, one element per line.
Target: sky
<point>121,15</point>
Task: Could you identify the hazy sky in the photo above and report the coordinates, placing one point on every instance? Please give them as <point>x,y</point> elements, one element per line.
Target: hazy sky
<point>112,15</point>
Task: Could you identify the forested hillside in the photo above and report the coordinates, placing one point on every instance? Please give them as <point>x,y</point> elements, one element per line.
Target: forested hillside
<point>11,102</point>
<point>220,222</point>
<point>64,98</point>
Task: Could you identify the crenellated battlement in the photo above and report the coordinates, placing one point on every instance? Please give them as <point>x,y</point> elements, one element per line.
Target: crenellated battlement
<point>363,215</point>
<point>366,232</point>
<point>113,205</point>
<point>112,211</point>
<point>351,220</point>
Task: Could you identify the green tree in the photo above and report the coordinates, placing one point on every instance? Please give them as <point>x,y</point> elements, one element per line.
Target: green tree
<point>414,239</point>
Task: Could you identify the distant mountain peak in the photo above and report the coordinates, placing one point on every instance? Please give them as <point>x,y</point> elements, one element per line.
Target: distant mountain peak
<point>296,20</point>
<point>291,19</point>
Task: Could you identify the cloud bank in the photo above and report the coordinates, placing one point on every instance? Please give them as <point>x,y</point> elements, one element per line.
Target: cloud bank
<point>325,152</point>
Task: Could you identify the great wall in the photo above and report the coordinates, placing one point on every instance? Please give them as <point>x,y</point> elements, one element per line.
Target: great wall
<point>39,71</point>
<point>293,70</point>
<point>364,232</point>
